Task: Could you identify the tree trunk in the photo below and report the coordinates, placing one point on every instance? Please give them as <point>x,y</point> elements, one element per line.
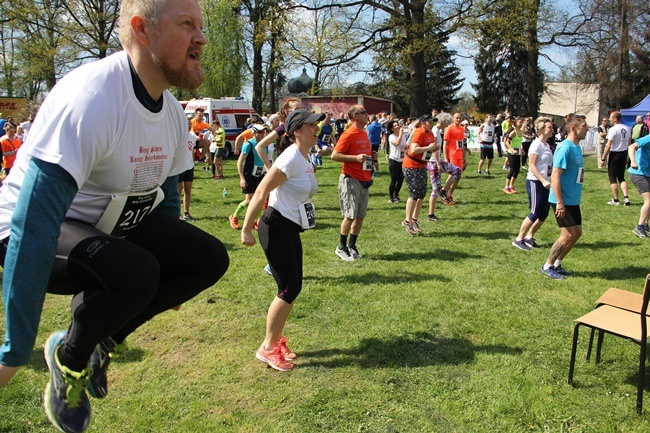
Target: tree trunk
<point>415,32</point>
<point>258,91</point>
<point>623,57</point>
<point>532,63</point>
<point>273,77</point>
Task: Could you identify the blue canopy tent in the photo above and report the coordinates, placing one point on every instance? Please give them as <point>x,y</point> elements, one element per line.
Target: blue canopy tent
<point>628,115</point>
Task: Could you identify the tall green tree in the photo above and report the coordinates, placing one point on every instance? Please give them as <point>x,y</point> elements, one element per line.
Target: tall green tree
<point>222,57</point>
<point>442,80</point>
<point>93,26</point>
<point>507,63</point>
<point>517,33</point>
<point>266,24</point>
<point>616,51</point>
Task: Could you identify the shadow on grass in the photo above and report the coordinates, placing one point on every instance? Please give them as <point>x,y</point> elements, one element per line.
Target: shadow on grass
<point>320,225</point>
<point>417,350</point>
<point>491,202</point>
<point>376,278</point>
<point>489,236</point>
<point>488,218</point>
<point>626,273</point>
<point>440,254</point>
<point>37,360</point>
<point>606,245</point>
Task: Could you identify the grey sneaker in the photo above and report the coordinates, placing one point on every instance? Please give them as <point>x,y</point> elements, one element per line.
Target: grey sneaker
<point>550,272</point>
<point>626,202</point>
<point>410,230</point>
<point>560,270</point>
<point>65,400</point>
<point>521,245</point>
<point>415,224</point>
<point>614,202</point>
<point>344,254</point>
<point>433,217</point>
<point>354,252</point>
<point>531,242</point>
<point>640,233</point>
<point>99,360</point>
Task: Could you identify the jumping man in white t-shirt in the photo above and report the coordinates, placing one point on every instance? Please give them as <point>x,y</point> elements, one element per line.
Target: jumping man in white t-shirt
<point>91,207</point>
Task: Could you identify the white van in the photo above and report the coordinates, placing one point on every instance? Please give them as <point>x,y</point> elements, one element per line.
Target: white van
<point>230,112</point>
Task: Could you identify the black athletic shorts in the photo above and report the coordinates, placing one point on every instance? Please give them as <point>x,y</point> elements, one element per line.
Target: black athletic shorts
<point>186,176</point>
<point>487,152</point>
<point>572,216</point>
<point>616,166</point>
<point>252,183</point>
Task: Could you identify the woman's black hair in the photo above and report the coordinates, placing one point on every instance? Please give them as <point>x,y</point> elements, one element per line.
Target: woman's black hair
<point>285,141</point>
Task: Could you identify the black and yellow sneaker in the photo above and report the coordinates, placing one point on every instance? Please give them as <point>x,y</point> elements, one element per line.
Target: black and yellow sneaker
<point>66,402</point>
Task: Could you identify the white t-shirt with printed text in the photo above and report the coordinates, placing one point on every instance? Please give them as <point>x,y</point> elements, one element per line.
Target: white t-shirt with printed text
<point>620,135</point>
<point>92,125</point>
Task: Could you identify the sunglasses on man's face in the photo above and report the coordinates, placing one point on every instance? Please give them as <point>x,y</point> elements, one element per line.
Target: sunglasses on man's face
<point>361,112</point>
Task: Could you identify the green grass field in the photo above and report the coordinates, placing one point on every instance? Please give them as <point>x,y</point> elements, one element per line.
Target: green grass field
<point>454,330</point>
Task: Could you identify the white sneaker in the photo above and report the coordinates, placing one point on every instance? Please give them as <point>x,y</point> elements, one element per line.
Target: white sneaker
<point>344,254</point>
<point>354,252</point>
<point>614,203</point>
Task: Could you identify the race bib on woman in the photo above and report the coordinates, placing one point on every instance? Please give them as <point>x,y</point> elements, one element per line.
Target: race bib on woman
<point>307,215</point>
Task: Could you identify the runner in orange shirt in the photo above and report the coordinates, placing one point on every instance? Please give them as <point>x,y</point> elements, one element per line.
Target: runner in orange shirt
<point>199,124</point>
<point>420,150</point>
<point>353,149</point>
<point>10,145</point>
<point>454,148</point>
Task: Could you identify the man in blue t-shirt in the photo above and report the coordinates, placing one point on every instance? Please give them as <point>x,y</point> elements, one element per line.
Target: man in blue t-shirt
<point>374,135</point>
<point>566,192</point>
<point>639,170</point>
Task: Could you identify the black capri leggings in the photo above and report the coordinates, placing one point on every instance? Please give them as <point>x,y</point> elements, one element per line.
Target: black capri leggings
<point>616,166</point>
<point>514,162</point>
<point>525,147</point>
<point>280,240</point>
<point>119,284</point>
<point>396,178</point>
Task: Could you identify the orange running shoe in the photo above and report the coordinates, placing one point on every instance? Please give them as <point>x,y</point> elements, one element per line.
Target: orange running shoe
<point>286,352</point>
<point>234,222</point>
<point>273,358</point>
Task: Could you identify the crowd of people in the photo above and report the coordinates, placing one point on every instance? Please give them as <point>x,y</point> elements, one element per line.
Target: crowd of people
<point>87,213</point>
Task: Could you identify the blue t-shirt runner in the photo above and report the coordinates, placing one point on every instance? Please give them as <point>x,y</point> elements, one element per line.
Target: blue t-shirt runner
<point>568,157</point>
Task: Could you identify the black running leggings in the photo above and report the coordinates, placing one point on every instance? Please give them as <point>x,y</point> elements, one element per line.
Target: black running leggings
<point>280,240</point>
<point>525,147</point>
<point>514,162</point>
<point>396,178</point>
<point>119,284</point>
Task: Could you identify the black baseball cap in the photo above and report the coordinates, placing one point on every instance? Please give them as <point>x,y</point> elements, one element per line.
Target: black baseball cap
<point>297,118</point>
<point>426,118</point>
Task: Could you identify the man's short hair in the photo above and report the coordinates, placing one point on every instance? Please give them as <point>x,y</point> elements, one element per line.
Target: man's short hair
<point>573,120</point>
<point>616,115</point>
<point>150,10</point>
<point>199,110</point>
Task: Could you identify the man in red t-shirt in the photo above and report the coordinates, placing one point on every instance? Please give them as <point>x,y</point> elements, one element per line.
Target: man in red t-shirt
<point>353,149</point>
<point>454,148</point>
